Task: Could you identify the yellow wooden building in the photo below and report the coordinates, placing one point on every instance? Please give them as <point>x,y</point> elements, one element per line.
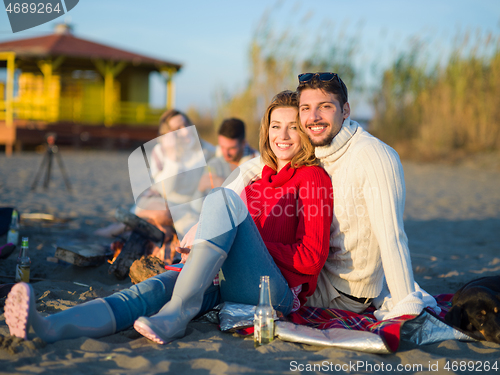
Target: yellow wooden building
<point>67,84</point>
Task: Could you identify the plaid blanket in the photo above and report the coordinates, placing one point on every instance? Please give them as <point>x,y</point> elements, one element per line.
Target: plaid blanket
<point>388,330</point>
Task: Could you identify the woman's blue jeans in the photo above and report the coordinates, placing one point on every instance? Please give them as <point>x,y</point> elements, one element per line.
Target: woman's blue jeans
<point>225,222</point>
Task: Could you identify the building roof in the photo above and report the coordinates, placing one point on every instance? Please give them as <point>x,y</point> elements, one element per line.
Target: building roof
<point>65,44</point>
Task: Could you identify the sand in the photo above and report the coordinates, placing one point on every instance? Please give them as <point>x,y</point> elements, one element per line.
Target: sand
<point>452,219</point>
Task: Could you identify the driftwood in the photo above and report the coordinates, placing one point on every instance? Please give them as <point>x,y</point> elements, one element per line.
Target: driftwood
<point>145,268</point>
<point>82,254</point>
<point>140,226</point>
<point>135,247</point>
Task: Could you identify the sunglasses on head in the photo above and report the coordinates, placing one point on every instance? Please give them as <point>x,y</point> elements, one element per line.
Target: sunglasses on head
<point>324,77</point>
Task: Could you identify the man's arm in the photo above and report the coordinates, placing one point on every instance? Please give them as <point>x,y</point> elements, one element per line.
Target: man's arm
<point>384,192</point>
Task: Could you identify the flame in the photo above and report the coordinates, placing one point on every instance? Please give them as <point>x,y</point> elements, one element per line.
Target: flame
<point>117,247</point>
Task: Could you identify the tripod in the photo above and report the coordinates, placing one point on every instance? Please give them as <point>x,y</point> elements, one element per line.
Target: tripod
<point>52,150</point>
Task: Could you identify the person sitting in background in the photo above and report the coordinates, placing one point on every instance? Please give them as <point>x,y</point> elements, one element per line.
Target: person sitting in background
<point>176,167</point>
<point>172,156</point>
<point>232,151</point>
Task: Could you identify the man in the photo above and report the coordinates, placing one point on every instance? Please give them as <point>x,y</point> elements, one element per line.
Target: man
<point>233,150</point>
<point>368,244</point>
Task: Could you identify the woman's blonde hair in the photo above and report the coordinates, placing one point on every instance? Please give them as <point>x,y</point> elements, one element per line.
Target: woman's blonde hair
<point>305,156</point>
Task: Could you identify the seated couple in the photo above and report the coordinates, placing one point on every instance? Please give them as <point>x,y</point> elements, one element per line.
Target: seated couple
<point>282,225</point>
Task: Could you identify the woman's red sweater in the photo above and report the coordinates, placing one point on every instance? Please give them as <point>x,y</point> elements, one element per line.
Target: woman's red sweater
<point>293,212</point>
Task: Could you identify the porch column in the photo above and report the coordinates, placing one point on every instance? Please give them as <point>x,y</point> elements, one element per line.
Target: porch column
<point>47,68</point>
<point>109,70</point>
<point>168,74</point>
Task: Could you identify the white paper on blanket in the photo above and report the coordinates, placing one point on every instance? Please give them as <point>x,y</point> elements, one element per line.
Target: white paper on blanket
<point>412,304</point>
<point>362,341</point>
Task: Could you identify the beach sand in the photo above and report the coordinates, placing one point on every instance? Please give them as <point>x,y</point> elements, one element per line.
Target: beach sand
<point>452,220</point>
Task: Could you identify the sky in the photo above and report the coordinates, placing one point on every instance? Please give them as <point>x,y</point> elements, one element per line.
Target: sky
<point>211,38</point>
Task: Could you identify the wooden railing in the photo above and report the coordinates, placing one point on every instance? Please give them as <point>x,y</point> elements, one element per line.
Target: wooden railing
<point>130,113</point>
<point>138,113</point>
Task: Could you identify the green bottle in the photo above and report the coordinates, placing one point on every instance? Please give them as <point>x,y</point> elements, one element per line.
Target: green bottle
<point>23,263</point>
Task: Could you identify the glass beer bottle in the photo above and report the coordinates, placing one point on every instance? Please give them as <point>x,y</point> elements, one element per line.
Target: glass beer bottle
<point>13,234</point>
<point>264,315</point>
<point>23,263</point>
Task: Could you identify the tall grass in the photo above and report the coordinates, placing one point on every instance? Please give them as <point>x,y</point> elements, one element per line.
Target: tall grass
<point>424,109</point>
<point>444,109</point>
<point>275,59</point>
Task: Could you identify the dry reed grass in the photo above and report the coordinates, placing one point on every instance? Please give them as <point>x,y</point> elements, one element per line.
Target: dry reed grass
<point>431,112</point>
<point>426,111</point>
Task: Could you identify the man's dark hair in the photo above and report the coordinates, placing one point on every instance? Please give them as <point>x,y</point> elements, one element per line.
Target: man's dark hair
<point>233,128</point>
<point>335,86</point>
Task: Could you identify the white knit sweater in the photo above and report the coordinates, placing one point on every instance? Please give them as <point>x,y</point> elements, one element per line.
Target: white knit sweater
<point>367,240</point>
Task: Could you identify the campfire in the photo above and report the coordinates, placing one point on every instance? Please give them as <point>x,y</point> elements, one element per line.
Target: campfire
<point>116,247</point>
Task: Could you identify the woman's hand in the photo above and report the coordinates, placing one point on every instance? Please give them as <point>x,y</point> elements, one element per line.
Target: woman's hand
<point>188,239</point>
<point>184,251</point>
<point>185,246</point>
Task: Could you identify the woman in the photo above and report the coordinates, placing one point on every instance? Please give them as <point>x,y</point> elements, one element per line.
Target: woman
<point>175,160</point>
<point>282,231</point>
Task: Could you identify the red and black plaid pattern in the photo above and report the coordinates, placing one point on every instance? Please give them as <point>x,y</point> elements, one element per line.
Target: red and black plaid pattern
<point>388,330</point>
